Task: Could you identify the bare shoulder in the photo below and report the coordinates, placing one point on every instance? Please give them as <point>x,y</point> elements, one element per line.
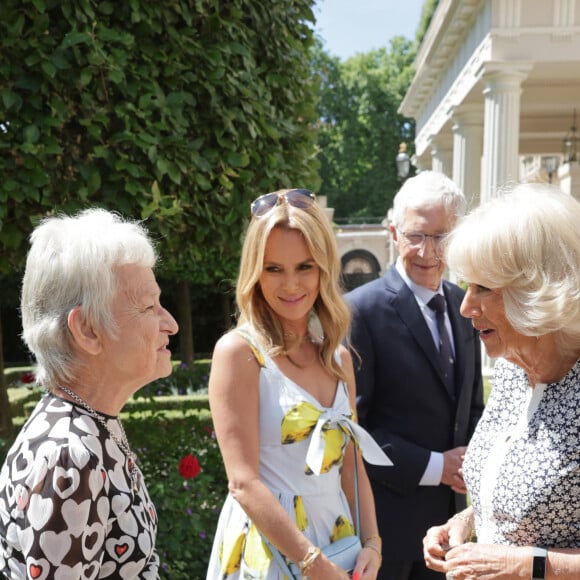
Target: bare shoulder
<point>345,358</point>
<point>232,347</point>
<point>347,366</point>
<point>231,342</point>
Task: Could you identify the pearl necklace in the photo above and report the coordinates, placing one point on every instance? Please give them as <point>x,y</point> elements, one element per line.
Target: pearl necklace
<point>122,443</point>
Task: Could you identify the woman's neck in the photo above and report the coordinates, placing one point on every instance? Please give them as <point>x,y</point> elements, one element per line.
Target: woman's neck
<point>546,362</point>
<point>296,337</point>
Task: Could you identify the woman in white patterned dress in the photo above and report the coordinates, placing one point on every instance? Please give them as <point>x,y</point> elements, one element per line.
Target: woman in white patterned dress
<point>281,395</point>
<point>72,500</point>
<point>520,256</point>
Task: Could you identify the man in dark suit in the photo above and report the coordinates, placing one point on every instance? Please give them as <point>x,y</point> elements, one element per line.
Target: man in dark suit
<point>419,385</point>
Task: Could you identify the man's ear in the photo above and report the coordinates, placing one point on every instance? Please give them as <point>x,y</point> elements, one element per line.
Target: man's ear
<point>83,332</point>
<point>393,232</point>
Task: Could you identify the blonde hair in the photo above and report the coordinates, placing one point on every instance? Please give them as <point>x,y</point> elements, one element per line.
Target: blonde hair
<point>329,308</point>
<point>526,243</point>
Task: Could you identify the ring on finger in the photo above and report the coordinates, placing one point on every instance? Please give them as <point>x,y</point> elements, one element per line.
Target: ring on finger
<point>450,575</point>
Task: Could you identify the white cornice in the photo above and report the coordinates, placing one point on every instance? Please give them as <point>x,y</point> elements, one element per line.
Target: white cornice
<point>451,23</point>
<point>462,85</point>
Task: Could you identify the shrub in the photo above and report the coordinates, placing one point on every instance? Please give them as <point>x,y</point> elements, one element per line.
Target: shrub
<point>182,381</point>
<point>182,466</point>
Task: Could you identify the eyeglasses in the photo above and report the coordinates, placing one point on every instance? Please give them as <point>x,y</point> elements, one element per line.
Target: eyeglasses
<point>300,198</point>
<point>417,239</point>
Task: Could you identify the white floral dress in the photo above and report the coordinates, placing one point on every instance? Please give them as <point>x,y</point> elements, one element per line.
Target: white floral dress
<point>302,448</point>
<point>522,466</point>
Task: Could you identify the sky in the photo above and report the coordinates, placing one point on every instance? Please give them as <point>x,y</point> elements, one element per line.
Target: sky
<point>348,27</point>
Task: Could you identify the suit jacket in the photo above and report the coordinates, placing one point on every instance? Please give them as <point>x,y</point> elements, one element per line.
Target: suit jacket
<point>403,401</point>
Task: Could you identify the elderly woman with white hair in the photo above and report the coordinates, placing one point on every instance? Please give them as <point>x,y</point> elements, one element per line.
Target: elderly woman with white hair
<point>520,257</point>
<point>73,503</point>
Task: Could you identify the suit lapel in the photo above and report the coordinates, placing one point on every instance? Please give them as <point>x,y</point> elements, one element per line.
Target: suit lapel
<point>410,314</point>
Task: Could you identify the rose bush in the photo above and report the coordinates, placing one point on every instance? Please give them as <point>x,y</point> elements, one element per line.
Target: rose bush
<point>27,378</point>
<point>182,466</point>
<point>189,466</point>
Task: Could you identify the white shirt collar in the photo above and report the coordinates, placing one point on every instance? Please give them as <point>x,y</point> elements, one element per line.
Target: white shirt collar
<point>422,294</point>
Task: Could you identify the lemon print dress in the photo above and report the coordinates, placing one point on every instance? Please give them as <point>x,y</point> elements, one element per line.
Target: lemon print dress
<point>302,448</point>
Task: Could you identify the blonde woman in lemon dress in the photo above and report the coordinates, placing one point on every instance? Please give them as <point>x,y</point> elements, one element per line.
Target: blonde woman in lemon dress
<point>282,396</point>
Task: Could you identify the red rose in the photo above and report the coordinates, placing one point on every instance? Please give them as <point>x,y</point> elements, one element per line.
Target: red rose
<point>27,378</point>
<point>189,467</point>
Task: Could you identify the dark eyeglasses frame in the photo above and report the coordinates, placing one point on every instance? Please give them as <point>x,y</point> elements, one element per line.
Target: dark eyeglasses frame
<point>299,198</point>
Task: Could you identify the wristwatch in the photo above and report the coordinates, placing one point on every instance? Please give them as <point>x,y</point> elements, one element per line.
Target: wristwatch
<point>539,565</point>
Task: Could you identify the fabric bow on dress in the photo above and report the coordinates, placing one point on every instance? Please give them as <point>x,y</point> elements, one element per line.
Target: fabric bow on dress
<point>328,428</point>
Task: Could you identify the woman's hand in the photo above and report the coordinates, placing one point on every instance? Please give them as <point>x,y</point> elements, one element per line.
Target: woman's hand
<point>367,567</point>
<point>472,561</point>
<point>368,564</point>
<point>438,540</point>
<point>323,569</point>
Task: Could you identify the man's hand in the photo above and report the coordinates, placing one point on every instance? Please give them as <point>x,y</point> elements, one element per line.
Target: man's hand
<point>452,472</point>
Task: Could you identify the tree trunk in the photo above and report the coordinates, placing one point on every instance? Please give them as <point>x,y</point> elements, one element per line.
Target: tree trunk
<point>6,426</point>
<point>227,311</point>
<point>185,323</point>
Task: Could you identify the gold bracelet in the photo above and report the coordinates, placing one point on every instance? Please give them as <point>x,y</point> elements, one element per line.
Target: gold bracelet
<point>311,555</point>
<point>467,519</point>
<point>373,537</point>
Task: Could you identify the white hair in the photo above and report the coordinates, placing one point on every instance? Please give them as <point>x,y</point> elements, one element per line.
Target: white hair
<point>526,242</point>
<point>428,187</point>
<point>71,263</point>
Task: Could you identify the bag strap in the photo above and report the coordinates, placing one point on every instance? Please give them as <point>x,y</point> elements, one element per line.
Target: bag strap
<point>280,560</point>
<point>356,497</point>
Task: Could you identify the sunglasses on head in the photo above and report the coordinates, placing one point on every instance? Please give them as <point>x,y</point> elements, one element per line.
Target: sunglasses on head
<point>300,198</point>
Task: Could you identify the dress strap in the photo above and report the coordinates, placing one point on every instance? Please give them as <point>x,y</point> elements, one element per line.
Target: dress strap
<point>254,346</point>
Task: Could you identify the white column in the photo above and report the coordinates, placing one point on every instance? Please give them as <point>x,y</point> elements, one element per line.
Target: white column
<point>442,156</point>
<point>564,14</point>
<point>569,176</point>
<point>501,125</point>
<point>467,151</point>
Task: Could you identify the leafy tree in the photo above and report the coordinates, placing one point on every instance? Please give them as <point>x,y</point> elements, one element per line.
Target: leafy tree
<point>175,112</point>
<point>360,129</point>
<point>429,7</point>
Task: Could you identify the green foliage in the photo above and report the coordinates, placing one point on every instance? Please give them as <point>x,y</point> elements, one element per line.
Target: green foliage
<point>182,381</point>
<point>10,285</point>
<point>360,128</point>
<point>176,112</point>
<point>187,509</point>
<point>429,7</point>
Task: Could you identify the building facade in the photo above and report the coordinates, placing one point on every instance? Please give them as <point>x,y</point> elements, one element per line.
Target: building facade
<point>495,89</point>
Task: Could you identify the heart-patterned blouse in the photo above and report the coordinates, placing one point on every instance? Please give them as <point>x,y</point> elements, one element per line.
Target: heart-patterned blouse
<point>67,506</point>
